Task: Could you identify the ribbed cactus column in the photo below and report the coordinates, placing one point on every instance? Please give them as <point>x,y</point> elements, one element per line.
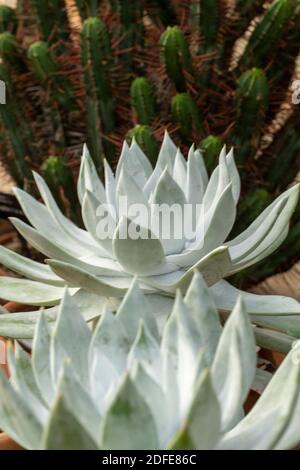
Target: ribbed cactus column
<point>60,181</point>
<point>146,140</point>
<point>143,100</point>
<point>176,56</point>
<point>186,115</point>
<point>96,59</point>
<point>252,97</point>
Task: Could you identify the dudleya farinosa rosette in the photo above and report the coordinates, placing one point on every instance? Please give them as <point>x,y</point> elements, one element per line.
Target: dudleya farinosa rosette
<point>96,268</point>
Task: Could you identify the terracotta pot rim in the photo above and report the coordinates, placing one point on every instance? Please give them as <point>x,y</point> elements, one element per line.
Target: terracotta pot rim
<point>6,443</point>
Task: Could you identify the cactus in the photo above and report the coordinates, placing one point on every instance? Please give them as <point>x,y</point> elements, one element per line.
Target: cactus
<point>138,68</point>
<point>145,139</point>
<point>8,19</point>
<point>60,181</point>
<point>176,56</point>
<point>186,114</point>
<point>96,59</point>
<point>143,100</point>
<point>211,147</point>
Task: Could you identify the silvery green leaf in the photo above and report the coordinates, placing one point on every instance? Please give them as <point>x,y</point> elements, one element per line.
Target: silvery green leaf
<point>108,353</point>
<point>29,292</point>
<point>180,170</point>
<point>234,176</point>
<point>80,402</point>
<point>16,417</point>
<point>77,277</point>
<point>132,162</point>
<point>64,432</point>
<point>127,415</point>
<point>205,314</point>
<point>70,339</point>
<point>89,179</point>
<point>46,225</point>
<point>225,297</point>
<point>196,177</point>
<point>41,358</point>
<point>201,429</point>
<point>234,365</point>
<point>237,252</point>
<point>268,424</point>
<point>110,187</point>
<point>143,160</point>
<point>91,219</point>
<point>141,256</point>
<point>213,267</point>
<point>275,340</point>
<point>146,351</point>
<point>261,380</point>
<point>28,268</point>
<point>156,399</point>
<point>218,182</point>
<point>128,188</point>
<point>23,379</point>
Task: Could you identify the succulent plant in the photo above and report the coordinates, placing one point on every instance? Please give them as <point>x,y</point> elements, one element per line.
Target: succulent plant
<point>103,261</point>
<point>176,52</point>
<point>183,382</point>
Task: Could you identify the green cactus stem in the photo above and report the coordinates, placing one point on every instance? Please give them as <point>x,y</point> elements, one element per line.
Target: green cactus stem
<point>59,179</point>
<point>175,55</point>
<point>142,100</point>
<point>268,31</point>
<point>211,147</point>
<point>145,139</point>
<point>10,51</point>
<point>252,100</point>
<point>8,19</point>
<point>52,19</point>
<point>46,70</point>
<point>186,115</point>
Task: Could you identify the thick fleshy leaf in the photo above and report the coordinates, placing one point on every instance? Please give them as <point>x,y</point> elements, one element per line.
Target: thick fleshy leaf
<point>145,350</point>
<point>70,339</point>
<point>196,177</point>
<point>141,256</point>
<point>205,314</point>
<point>89,178</point>
<point>127,415</point>
<point>144,161</point>
<point>16,417</point>
<point>167,154</point>
<point>22,325</point>
<point>234,365</point>
<point>201,429</point>
<point>64,432</point>
<point>168,193</point>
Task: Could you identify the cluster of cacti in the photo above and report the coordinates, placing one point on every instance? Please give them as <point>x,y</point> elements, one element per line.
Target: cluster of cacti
<point>135,69</point>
